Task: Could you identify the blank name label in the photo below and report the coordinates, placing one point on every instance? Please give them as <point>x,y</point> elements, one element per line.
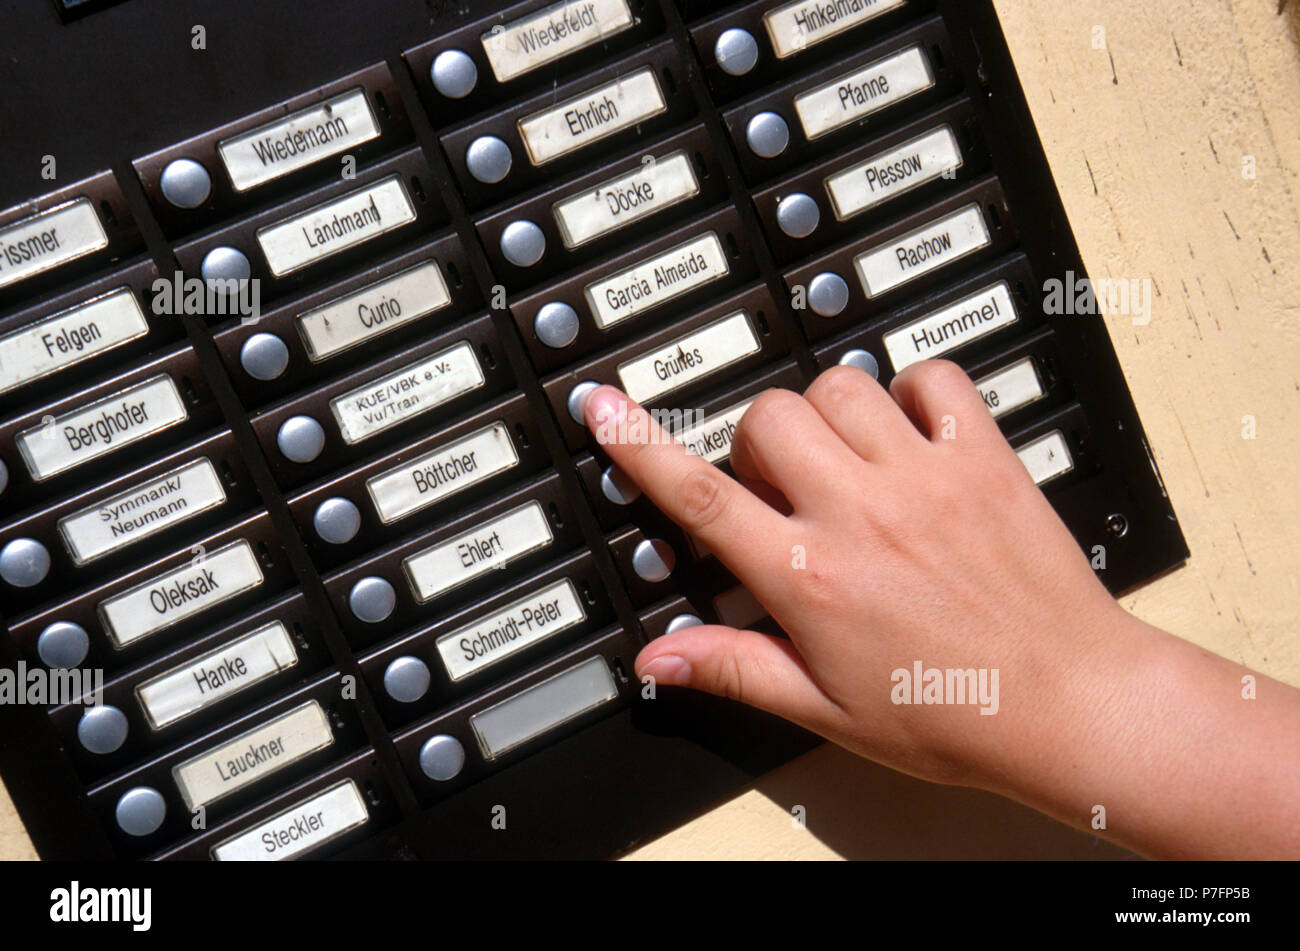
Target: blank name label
<point>890,174</point>
<point>516,48</point>
<point>866,91</point>
<point>656,281</point>
<point>927,249</point>
<point>141,511</point>
<point>335,226</point>
<point>412,390</point>
<point>296,141</point>
<point>181,593</point>
<point>691,358</point>
<point>588,118</point>
<point>253,755</point>
<point>70,336</point>
<point>53,237</point>
<point>1011,388</point>
<point>300,828</point>
<point>443,472</point>
<point>1047,458</point>
<point>492,639</point>
<point>216,675</point>
<point>362,315</point>
<point>711,439</point>
<point>619,202</point>
<point>492,545</point>
<point>543,707</point>
<point>955,326</point>
<point>102,427</point>
<point>797,26</point>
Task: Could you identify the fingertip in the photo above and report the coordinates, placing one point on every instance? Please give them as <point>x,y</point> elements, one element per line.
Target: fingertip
<point>604,405</point>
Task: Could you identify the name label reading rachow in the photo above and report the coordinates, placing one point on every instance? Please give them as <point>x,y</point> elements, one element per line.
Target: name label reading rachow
<point>620,201</point>
<point>890,174</point>
<point>1011,388</point>
<point>952,327</point>
<point>798,26</point>
<point>927,249</point>
<point>541,615</point>
<point>711,439</point>
<point>46,240</point>
<point>868,90</point>
<point>299,829</point>
<point>494,544</point>
<point>646,285</point>
<point>443,472</point>
<point>516,48</point>
<point>590,117</point>
<point>377,308</point>
<point>694,356</point>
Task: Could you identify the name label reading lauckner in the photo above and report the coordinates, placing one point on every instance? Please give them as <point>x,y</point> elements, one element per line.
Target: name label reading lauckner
<point>412,390</point>
<point>892,173</point>
<point>494,544</point>
<point>1011,388</point>
<point>690,358</point>
<point>355,318</point>
<point>646,285</point>
<point>868,90</point>
<point>711,439</point>
<point>927,249</point>
<point>282,147</point>
<point>590,117</point>
<point>48,239</point>
<point>102,427</point>
<point>180,593</point>
<point>336,226</point>
<point>952,327</point>
<point>798,26</point>
<point>614,204</point>
<point>299,829</point>
<point>1047,457</point>
<point>492,639</point>
<point>516,48</point>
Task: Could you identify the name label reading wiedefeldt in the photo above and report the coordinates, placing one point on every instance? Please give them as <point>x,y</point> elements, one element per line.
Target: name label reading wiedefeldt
<point>863,92</point>
<point>530,42</point>
<point>490,640</point>
<point>1047,458</point>
<point>690,358</point>
<point>494,544</point>
<point>620,201</point>
<point>798,26</point>
<point>925,250</point>
<point>377,308</point>
<point>952,327</point>
<point>1011,388</point>
<point>647,285</point>
<point>590,117</point>
<point>46,240</point>
<point>300,828</point>
<point>878,179</point>
<point>711,439</point>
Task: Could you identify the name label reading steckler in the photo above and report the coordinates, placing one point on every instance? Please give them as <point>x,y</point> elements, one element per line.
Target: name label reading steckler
<point>299,829</point>
<point>592,116</point>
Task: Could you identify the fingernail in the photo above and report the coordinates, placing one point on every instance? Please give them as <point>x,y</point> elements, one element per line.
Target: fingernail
<point>667,669</point>
<point>604,405</point>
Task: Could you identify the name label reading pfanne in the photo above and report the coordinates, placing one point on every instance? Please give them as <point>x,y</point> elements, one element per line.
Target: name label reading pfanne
<point>885,176</point>
<point>490,640</point>
<point>530,42</point>
<point>1011,388</point>
<point>590,117</point>
<point>868,90</point>
<point>299,829</point>
<point>1047,457</point>
<point>102,427</point>
<point>282,147</point>
<point>377,308</point>
<point>48,239</point>
<point>614,204</point>
<point>336,226</point>
<point>711,440</point>
<point>798,26</point>
<point>494,544</point>
<point>927,249</point>
<point>952,327</point>
<point>646,285</point>
<point>690,358</point>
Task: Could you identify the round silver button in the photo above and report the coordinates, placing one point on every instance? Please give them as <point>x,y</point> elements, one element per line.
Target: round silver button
<point>225,264</point>
<point>4,476</point>
<point>523,243</point>
<point>24,562</point>
<point>454,74</point>
<point>828,294</point>
<point>653,560</point>
<point>442,757</point>
<point>407,679</point>
<point>618,487</point>
<point>185,183</point>
<point>337,521</point>
<point>578,401</point>
<point>63,644</point>
<point>736,52</point>
<point>488,159</point>
<point>372,599</point>
<point>141,811</point>
<point>681,623</point>
<point>863,360</point>
<point>798,215</point>
<point>300,439</point>
<point>264,356</point>
<point>556,325</point>
<point>767,135</point>
<point>102,729</point>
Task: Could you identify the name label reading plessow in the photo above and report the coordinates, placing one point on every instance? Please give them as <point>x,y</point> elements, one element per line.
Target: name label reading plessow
<point>955,326</point>
<point>336,226</point>
<point>711,439</point>
<point>617,203</point>
<point>494,544</point>
<point>927,249</point>
<point>441,473</point>
<point>890,174</point>
<point>1011,388</point>
<point>282,147</point>
<point>797,26</point>
<point>694,356</point>
<point>541,615</point>
<point>590,117</point>
<point>299,829</point>
<point>179,594</point>
<point>412,390</point>
<point>868,90</point>
<point>377,308</point>
<point>656,281</point>
<point>516,48</point>
<point>46,240</point>
<point>543,707</point>
<point>102,427</point>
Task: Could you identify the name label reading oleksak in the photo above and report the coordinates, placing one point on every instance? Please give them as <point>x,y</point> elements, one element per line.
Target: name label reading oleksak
<point>377,308</point>
<point>492,639</point>
<point>614,204</point>
<point>48,239</point>
<point>675,272</point>
<point>797,26</point>
<point>530,42</point>
<point>494,544</point>
<point>698,354</point>
<point>592,116</point>
<point>866,91</point>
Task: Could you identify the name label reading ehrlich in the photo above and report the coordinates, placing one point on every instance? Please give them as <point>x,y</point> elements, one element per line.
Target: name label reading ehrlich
<point>620,201</point>
<point>351,320</point>
<point>46,240</point>
<point>299,829</point>
<point>514,49</point>
<point>952,327</point>
<point>868,90</point>
<point>656,281</point>
<point>890,174</point>
<point>494,544</point>
<point>590,117</point>
<point>711,439</point>
<point>798,26</point>
<point>684,361</point>
<point>529,620</point>
<point>927,249</point>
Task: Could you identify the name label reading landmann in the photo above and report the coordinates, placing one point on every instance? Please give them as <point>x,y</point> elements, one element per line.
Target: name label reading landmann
<point>299,829</point>
<point>46,240</point>
<point>377,308</point>
<point>592,116</point>
<point>647,285</point>
<point>893,173</point>
<point>927,249</point>
<point>797,26</point>
<point>868,90</point>
<point>952,327</point>
<point>530,42</point>
<point>541,615</point>
<point>684,361</point>
<point>711,439</point>
<point>620,201</point>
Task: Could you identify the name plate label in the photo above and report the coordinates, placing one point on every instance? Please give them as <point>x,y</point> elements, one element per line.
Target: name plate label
<point>299,829</point>
<point>102,427</point>
<point>656,281</point>
<point>694,356</point>
<point>493,544</point>
<point>336,226</point>
<point>711,439</point>
<point>355,318</point>
<point>890,174</point>
<point>514,49</point>
<point>592,116</point>
<point>1047,457</point>
<point>868,90</point>
<point>541,615</point>
<point>179,594</point>
<point>1008,390</point>
<point>282,147</point>
<point>955,326</point>
<point>927,249</point>
<point>46,240</point>
<point>797,26</point>
<point>543,707</point>
<point>619,202</point>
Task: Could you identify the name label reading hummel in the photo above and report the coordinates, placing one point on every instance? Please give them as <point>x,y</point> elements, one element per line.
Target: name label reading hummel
<point>656,281</point>
<point>443,472</point>
<point>798,26</point>
<point>530,42</point>
<point>592,116</point>
<point>618,202</point>
<point>952,327</point>
<point>48,239</point>
<point>690,358</point>
<point>865,91</point>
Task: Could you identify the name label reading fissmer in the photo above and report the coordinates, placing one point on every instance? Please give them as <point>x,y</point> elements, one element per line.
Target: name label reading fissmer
<point>590,117</point>
<point>299,829</point>
<point>282,147</point>
<point>253,755</point>
<point>1010,389</point>
<point>336,226</point>
<point>863,92</point>
<point>412,390</point>
<point>619,202</point>
<point>797,26</point>
<point>355,318</point>
<point>141,511</point>
<point>46,240</point>
<point>890,174</point>
<point>955,326</point>
<point>179,594</point>
<point>927,249</point>
<point>711,439</point>
<point>656,281</point>
<point>102,427</point>
<point>494,544</point>
<point>541,615</point>
<point>684,361</point>
<point>216,675</point>
<point>514,49</point>
<point>443,472</point>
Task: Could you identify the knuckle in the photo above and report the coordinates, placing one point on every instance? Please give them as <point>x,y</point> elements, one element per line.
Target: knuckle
<point>837,385</point>
<point>940,375</point>
<point>701,496</point>
<point>726,676</point>
<point>773,408</point>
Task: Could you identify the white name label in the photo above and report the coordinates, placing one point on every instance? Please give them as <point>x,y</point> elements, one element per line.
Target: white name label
<point>541,615</point>
<point>443,472</point>
<point>619,202</point>
<point>181,593</point>
<point>1047,458</point>
<point>797,26</point>
<point>299,829</point>
<point>955,326</point>
<point>656,281</point>
<point>493,544</point>
<point>711,439</point>
<point>335,226</point>
<point>100,428</point>
<point>893,173</point>
<point>861,93</point>
<point>216,675</point>
<point>46,240</point>
<point>520,47</point>
<point>142,511</point>
<point>412,390</point>
<point>351,320</point>
<point>543,707</point>
<point>1008,390</point>
<point>253,755</point>
<point>296,141</point>
<point>684,361</point>
<point>588,118</point>
<point>924,250</point>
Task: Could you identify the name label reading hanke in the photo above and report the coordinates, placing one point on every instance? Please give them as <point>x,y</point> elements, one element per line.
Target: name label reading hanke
<point>798,26</point>
<point>643,286</point>
<point>519,47</point>
<point>886,176</point>
<point>375,309</point>
<point>300,828</point>
<point>335,226</point>
<point>697,355</point>
<point>1011,388</point>
<point>711,440</point>
<point>492,639</point>
<point>614,204</point>
<point>48,239</point>
<point>927,249</point>
<point>863,92</point>
<point>952,327</point>
<point>592,116</point>
<point>492,545</point>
